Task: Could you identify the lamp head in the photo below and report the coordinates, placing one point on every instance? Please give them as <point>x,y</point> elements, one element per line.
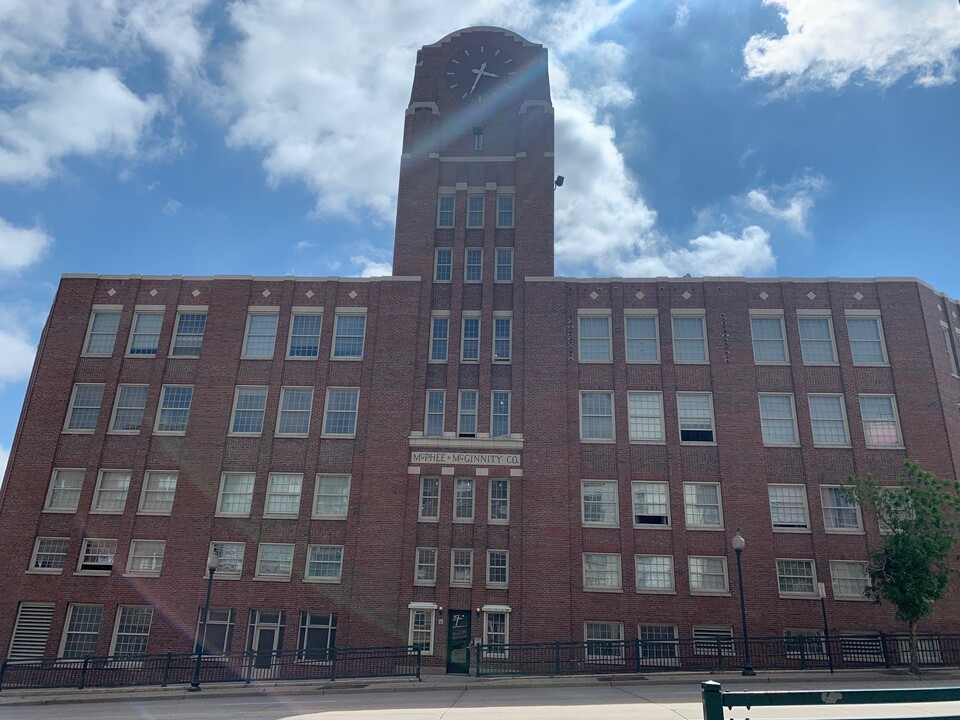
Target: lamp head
<point>738,542</point>
<point>213,562</point>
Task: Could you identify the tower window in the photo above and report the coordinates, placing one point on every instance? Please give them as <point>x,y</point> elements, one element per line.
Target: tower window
<point>478,139</point>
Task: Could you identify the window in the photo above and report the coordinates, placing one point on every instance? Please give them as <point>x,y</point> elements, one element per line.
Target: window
<point>275,561</point>
<point>81,631</point>
<point>475,211</point>
<point>596,416</point>
<point>443,265</point>
<point>502,327</point>
<point>598,503</point>
<point>96,556</point>
<point>499,510</point>
<point>797,578</point>
<point>805,643</point>
<point>296,404</point>
<point>84,408</point>
<point>498,568</point>
<point>236,494</point>
<point>318,636</point>
<point>463,500</point>
<point>645,416</point>
<point>231,559</point>
<point>249,404</point>
<point>651,506</point>
<point>64,492</point>
<point>305,335</point>
<point>146,557</point>
<point>433,425</point>
<point>439,338</point>
<point>49,555</point>
<point>426,570</point>
<point>881,428</point>
<point>188,334</point>
<point>601,571</point>
<point>659,645</point>
<point>951,357</point>
<point>695,412</point>
<point>595,338</point>
<point>340,412</point>
<point>828,420</point>
<point>816,341</point>
<point>145,336</point>
<point>110,495</point>
<point>324,563</point>
<point>500,413</point>
<point>496,632</point>
<point>505,211</point>
<point>689,339</point>
<point>467,416</point>
<point>708,575</point>
<point>133,629</point>
<point>642,340</point>
<point>788,507</point>
<point>217,631</point>
<point>778,421</point>
<point>654,573</point>
<point>849,579</point>
<point>421,629</point>
<point>445,211</point>
<point>701,505</point>
<point>769,340</point>
<point>839,513</point>
<point>261,334</point>
<point>174,414</point>
<point>128,409</point>
<point>473,266</point>
<point>332,497</point>
<point>348,337</point>
<point>159,488</point>
<point>283,495</point>
<point>504,269</point>
<point>604,642</point>
<point>102,332</point>
<point>470,345</point>
<point>461,567</point>
<point>429,499</point>
<point>712,640</point>
<point>866,341</point>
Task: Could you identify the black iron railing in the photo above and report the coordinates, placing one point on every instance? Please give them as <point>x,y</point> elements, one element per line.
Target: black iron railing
<point>804,652</point>
<point>177,668</point>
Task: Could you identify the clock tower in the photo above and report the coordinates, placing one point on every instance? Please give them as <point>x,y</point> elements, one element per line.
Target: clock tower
<point>476,175</point>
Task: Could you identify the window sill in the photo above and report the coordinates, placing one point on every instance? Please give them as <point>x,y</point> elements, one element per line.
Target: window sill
<point>603,590</point>
<point>652,591</point>
<point>876,365</point>
<point>54,511</point>
<point>772,363</point>
<point>295,436</point>
<point>145,356</point>
<point>824,364</point>
<point>497,586</point>
<point>94,511</point>
<point>39,571</point>
<point>691,362</point>
<point>140,575</point>
<point>257,357</point>
<point>326,436</point>
<point>648,442</point>
<point>469,362</point>
<point>347,359</point>
<point>791,596</point>
<point>835,531</point>
<point>463,521</point>
<point>652,527</point>
<point>602,526</point>
<point>218,576</point>
<point>436,362</point>
<point>243,434</point>
<point>886,447</point>
<point>846,598</point>
<point>643,362</point>
<point>501,523</point>
<point>270,579</point>
<point>792,531</point>
<point>592,441</point>
<point>78,432</point>
<point>232,515</point>
<point>94,573</point>
<point>708,528</point>
<point>691,443</point>
<point>708,593</point>
<point>129,433</point>
<point>833,447</point>
<point>322,581</point>
<point>781,445</point>
<point>424,584</point>
<point>183,357</point>
<point>328,517</point>
<point>595,362</point>
<point>312,358</point>
<point>428,520</point>
<point>170,433</point>
<point>281,517</point>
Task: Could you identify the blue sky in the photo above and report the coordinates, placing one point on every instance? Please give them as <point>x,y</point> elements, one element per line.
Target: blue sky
<point>749,137</point>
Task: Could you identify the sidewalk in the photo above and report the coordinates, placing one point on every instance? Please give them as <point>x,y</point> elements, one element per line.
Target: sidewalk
<point>439,681</point>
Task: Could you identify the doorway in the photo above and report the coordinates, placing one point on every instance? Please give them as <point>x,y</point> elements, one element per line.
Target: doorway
<point>458,641</point>
<point>265,638</point>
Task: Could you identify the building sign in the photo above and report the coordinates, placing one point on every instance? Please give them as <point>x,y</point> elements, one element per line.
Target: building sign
<point>464,458</point>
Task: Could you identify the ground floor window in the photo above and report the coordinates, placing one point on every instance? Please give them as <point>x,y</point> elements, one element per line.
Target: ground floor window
<point>604,641</point>
<point>496,633</point>
<point>133,630</point>
<point>217,632</point>
<point>318,636</point>
<point>658,644</point>
<point>421,629</point>
<point>82,631</point>
<point>805,643</point>
<point>712,640</point>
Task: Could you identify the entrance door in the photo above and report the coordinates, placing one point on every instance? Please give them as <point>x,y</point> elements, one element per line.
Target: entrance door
<point>265,635</point>
<point>458,642</point>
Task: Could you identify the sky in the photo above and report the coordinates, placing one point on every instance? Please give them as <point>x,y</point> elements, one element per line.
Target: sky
<point>199,137</point>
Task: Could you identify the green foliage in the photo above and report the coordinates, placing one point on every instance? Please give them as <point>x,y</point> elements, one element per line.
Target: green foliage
<point>913,564</point>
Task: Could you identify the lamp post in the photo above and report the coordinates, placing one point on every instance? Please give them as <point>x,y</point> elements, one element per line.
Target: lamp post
<point>213,562</point>
<point>738,542</point>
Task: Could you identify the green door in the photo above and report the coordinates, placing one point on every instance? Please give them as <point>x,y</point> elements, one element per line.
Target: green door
<point>458,641</point>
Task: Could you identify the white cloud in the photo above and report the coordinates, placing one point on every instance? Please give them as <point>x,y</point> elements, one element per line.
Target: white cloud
<point>372,268</point>
<point>21,247</point>
<point>304,245</point>
<point>172,207</point>
<point>826,43</point>
<point>683,15</point>
<point>790,204</point>
<point>16,347</point>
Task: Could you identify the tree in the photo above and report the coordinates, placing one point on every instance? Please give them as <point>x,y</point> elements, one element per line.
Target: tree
<point>914,561</point>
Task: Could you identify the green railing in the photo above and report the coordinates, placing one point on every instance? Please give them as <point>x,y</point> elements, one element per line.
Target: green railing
<point>715,699</point>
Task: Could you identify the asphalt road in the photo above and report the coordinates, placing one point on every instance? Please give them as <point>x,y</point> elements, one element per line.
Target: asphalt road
<point>639,701</point>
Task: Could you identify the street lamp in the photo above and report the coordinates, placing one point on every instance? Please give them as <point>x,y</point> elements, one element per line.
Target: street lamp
<point>738,542</point>
<point>213,562</point>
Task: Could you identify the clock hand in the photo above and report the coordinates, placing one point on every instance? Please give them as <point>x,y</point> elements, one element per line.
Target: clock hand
<point>489,74</point>
<point>477,79</point>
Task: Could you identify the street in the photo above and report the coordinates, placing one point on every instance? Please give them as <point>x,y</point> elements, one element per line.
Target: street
<point>636,701</point>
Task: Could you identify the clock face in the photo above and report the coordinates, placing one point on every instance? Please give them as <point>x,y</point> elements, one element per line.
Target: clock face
<point>480,73</point>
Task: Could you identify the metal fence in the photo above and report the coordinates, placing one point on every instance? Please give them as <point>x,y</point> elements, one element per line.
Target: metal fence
<point>172,669</point>
<point>804,652</point>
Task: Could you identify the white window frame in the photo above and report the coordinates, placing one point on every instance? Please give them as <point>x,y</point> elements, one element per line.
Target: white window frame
<point>835,566</point>
<point>216,550</point>
<point>98,489</point>
<point>85,546</point>
<point>774,315</point>
<point>425,567</point>
<point>132,555</point>
<point>463,337</point>
<point>326,579</point>
<point>275,577</point>
<point>260,311</point>
<point>591,645</point>
<point>351,312</point>
<point>72,406</point>
<point>640,314</point>
<point>813,594</point>
<point>843,412</point>
<point>146,490</point>
<point>455,564</point>
<point>709,591</point>
<point>787,527</point>
<point>121,609</point>
<point>590,577</point>
<point>856,315</point>
<point>470,267</point>
<point>64,638</point>
<point>421,497</point>
<point>434,357</point>
<point>681,418</point>
<point>140,311</point>
<point>346,481</point>
<point>116,408</point>
<point>280,411</point>
<point>687,314</point>
<point>612,416</point>
<point>471,212</point>
<point>604,486</point>
<point>688,508</point>
<point>462,430</point>
<point>494,414</point>
<point>101,310</point>
<point>817,315</point>
<point>52,489</point>
<point>440,211</point>
<point>830,528</point>
<point>427,414</point>
<point>492,644</point>
<point>463,501</point>
<point>437,265</point>
<point>273,493</point>
<point>512,210</point>
<point>429,612</point>
<point>217,617</point>
<point>181,311</point>
<point>161,408</point>
<point>249,390</point>
<point>586,314</point>
<point>326,410</point>
<point>644,590</point>
<point>898,445</point>
<point>663,650</point>
<point>32,568</point>
<point>296,312</point>
<point>499,317</point>
<point>637,395</point>
<point>490,499</point>
<point>506,569</point>
<point>666,497</point>
<point>506,276</point>
<point>795,442</point>
<point>253,484</point>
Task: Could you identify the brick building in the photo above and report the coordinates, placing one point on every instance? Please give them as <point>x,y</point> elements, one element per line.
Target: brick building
<point>472,442</point>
